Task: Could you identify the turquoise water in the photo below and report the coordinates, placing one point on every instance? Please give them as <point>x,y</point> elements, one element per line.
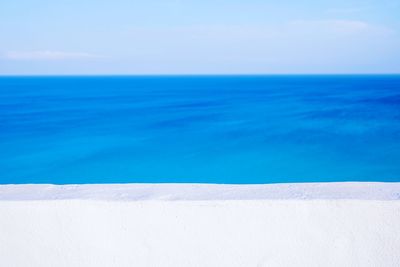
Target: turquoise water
<point>213,129</point>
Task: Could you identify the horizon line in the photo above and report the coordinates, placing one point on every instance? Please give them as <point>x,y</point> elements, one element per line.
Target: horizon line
<point>198,74</point>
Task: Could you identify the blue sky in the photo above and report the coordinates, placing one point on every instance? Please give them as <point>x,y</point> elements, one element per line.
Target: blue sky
<point>199,37</point>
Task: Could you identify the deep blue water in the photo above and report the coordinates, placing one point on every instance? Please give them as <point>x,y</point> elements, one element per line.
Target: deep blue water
<point>216,129</point>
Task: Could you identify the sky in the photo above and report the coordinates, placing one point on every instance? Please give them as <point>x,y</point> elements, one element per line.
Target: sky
<point>62,37</point>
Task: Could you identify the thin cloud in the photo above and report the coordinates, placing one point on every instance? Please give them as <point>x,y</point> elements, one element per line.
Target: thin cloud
<point>49,55</point>
<point>340,27</point>
<point>350,10</point>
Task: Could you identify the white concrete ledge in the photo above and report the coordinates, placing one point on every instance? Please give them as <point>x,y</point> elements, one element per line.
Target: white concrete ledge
<point>349,190</point>
<point>283,225</point>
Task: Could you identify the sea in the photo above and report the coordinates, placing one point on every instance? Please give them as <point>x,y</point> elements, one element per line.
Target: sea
<point>199,129</point>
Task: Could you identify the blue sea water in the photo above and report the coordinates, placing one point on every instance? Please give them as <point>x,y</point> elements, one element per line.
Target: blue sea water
<point>212,129</point>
